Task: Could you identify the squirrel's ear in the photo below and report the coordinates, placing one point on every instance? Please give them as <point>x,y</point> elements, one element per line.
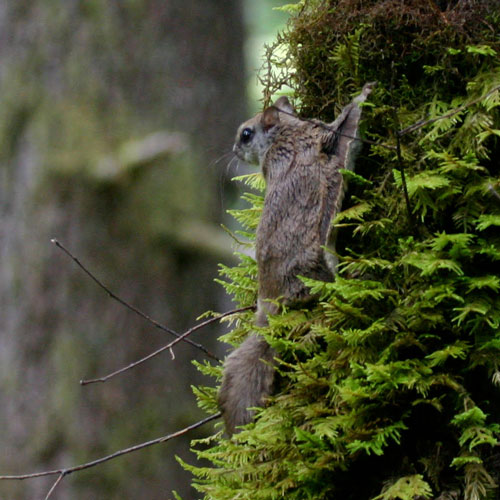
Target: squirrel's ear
<point>270,117</point>
<point>283,104</point>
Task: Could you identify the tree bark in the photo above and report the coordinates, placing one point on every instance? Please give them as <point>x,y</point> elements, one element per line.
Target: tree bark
<point>82,85</point>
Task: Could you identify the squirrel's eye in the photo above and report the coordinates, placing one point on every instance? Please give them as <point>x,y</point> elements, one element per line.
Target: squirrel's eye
<point>246,135</point>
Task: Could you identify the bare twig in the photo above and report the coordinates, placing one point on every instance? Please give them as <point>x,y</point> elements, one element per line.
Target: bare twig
<point>126,304</point>
<point>54,486</point>
<point>399,155</point>
<point>403,181</point>
<point>165,347</point>
<point>65,472</point>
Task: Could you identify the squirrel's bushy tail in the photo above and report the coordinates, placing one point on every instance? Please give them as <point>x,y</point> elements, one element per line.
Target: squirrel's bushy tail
<point>247,382</point>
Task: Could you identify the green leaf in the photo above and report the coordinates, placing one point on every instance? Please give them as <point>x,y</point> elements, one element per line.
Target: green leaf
<point>483,282</point>
<point>432,69</point>
<point>465,460</point>
<point>474,416</point>
<point>426,181</point>
<point>356,212</point>
<point>303,436</point>
<point>291,8</point>
<point>484,50</point>
<point>429,263</point>
<point>486,220</point>
<point>255,181</point>
<point>354,178</point>
<point>478,307</point>
<point>458,350</point>
<point>378,440</point>
<point>406,488</point>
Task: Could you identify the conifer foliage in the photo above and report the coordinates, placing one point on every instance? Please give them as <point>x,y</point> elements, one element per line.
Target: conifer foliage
<point>389,387</point>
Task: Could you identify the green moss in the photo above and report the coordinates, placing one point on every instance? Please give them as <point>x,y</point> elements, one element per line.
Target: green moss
<point>389,385</point>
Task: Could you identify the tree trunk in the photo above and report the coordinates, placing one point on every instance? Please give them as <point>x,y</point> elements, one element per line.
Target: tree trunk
<point>112,118</point>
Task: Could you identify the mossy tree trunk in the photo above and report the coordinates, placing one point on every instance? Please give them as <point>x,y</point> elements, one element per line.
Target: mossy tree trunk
<point>389,386</point>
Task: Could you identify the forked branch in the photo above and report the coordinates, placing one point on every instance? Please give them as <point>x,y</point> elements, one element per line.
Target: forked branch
<point>165,347</point>
<point>61,473</point>
<point>126,304</point>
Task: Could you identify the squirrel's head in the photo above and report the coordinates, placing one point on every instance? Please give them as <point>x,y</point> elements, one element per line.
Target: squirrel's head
<point>256,135</point>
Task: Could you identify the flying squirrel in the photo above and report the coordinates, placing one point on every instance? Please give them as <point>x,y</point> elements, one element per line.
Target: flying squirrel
<point>301,162</point>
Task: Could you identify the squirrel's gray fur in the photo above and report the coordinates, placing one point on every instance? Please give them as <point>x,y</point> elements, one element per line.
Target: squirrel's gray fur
<point>300,160</point>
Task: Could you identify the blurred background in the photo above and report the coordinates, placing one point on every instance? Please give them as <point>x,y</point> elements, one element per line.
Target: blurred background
<point>117,120</point>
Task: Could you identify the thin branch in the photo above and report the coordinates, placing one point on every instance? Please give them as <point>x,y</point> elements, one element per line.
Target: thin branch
<point>54,486</point>
<point>235,238</point>
<point>399,155</point>
<point>423,123</point>
<point>403,182</point>
<point>93,463</point>
<point>165,347</point>
<point>126,304</point>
